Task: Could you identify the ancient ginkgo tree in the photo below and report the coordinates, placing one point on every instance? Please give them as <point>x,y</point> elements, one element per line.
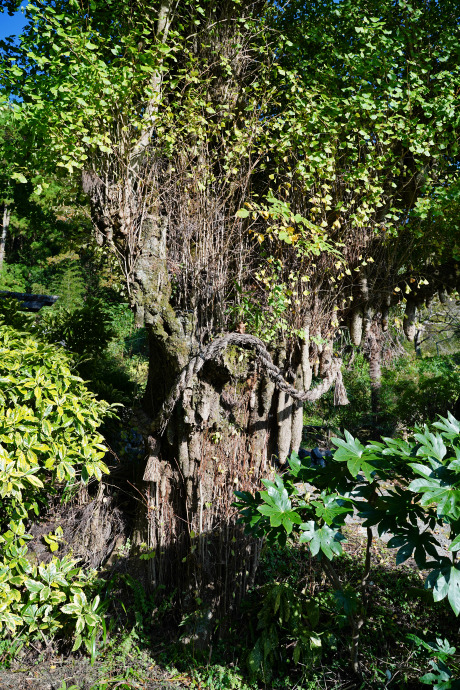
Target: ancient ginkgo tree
<point>265,176</point>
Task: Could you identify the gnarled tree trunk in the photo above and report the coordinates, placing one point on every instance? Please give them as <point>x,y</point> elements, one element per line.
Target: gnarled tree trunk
<point>228,418</point>
<point>219,412</point>
<point>220,416</point>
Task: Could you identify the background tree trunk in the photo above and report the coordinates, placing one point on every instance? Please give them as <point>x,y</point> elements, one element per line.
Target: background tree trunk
<point>375,368</point>
<point>5,226</point>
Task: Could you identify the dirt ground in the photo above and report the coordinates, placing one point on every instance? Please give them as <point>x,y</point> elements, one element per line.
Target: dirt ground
<point>66,674</point>
<point>73,672</point>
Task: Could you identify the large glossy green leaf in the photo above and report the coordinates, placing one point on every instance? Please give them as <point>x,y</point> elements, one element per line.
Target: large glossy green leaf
<point>332,508</point>
<point>354,454</point>
<point>439,492</point>
<point>445,582</point>
<point>449,426</point>
<point>411,540</point>
<point>323,539</point>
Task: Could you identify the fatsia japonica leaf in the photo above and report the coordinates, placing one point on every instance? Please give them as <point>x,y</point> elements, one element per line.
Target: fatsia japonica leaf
<point>332,508</point>
<point>324,539</point>
<point>276,494</point>
<point>455,464</point>
<point>295,464</point>
<point>248,505</point>
<point>394,510</point>
<point>354,454</point>
<point>442,647</point>
<point>445,582</point>
<point>455,544</point>
<point>431,445</point>
<point>333,477</point>
<point>449,426</point>
<point>397,447</point>
<point>439,487</point>
<point>410,540</point>
<point>440,678</point>
<point>277,505</point>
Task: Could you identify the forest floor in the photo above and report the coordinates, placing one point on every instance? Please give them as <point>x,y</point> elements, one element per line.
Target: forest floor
<point>132,662</point>
<point>78,674</point>
<point>394,612</point>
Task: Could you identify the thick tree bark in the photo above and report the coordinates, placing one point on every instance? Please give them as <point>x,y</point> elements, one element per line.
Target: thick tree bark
<point>217,440</point>
<point>221,432</point>
<point>221,416</point>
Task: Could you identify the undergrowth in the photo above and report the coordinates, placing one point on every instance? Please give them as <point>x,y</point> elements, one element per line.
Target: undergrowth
<point>142,647</point>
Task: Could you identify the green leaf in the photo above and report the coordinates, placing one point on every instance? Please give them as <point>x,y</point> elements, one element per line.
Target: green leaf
<point>45,593</point>
<point>19,177</point>
<point>409,540</point>
<point>351,451</point>
<point>35,481</point>
<point>242,213</point>
<point>436,490</point>
<point>255,658</point>
<point>445,581</point>
<point>346,599</point>
<point>331,507</point>
<point>278,516</point>
<point>321,538</point>
<point>450,426</point>
<point>431,445</point>
<point>71,608</point>
<point>77,643</point>
<point>295,464</point>
<point>33,585</point>
<point>455,544</point>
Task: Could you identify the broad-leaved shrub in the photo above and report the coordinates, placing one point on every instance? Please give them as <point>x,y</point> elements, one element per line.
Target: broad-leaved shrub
<point>48,438</point>
<point>407,489</point>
